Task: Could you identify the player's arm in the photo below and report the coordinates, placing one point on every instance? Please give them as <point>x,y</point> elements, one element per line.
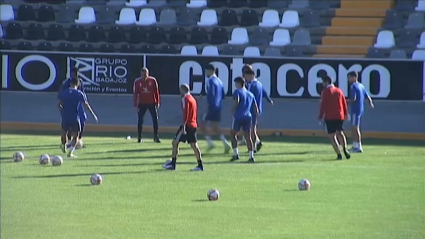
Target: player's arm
<point>136,93</point>
<point>156,95</point>
<point>60,107</point>
<point>236,101</point>
<point>322,106</point>
<point>265,95</point>
<point>344,107</point>
<point>211,93</point>
<point>186,112</point>
<point>88,107</point>
<point>367,96</point>
<point>255,107</point>
<point>353,95</point>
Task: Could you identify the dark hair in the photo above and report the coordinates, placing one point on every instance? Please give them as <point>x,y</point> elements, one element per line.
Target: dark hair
<point>185,88</point>
<point>246,67</point>
<point>353,74</point>
<point>74,81</point>
<point>239,79</point>
<point>75,69</point>
<point>249,71</point>
<point>210,67</point>
<point>327,79</point>
<point>144,69</point>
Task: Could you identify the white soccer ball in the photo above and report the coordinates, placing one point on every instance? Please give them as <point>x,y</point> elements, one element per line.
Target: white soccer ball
<point>213,195</point>
<point>96,179</point>
<point>79,144</point>
<point>57,161</point>
<point>304,185</point>
<point>44,159</point>
<point>18,157</point>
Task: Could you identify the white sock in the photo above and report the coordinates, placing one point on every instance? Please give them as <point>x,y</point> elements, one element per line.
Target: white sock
<point>72,149</point>
<point>359,145</point>
<point>251,154</point>
<point>236,151</point>
<point>224,140</point>
<point>209,141</point>
<point>354,145</point>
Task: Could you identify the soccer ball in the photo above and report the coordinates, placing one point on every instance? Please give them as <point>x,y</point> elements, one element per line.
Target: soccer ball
<point>79,144</point>
<point>44,159</point>
<point>96,179</point>
<point>213,195</point>
<point>304,185</point>
<point>18,157</point>
<point>57,161</point>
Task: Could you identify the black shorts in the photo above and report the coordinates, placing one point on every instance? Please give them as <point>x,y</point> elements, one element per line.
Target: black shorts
<point>190,136</point>
<point>332,126</point>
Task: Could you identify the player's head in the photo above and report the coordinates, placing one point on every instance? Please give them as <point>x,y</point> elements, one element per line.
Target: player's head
<point>352,76</point>
<point>249,74</point>
<point>246,67</point>
<point>74,82</point>
<point>209,70</point>
<point>144,72</point>
<point>74,72</point>
<point>184,89</point>
<point>239,82</point>
<point>326,80</point>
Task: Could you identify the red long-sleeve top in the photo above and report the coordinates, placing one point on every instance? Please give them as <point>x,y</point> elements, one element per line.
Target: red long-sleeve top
<point>190,111</point>
<point>145,91</point>
<point>333,105</point>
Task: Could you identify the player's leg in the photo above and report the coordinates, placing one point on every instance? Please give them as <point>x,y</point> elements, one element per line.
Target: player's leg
<point>68,136</point>
<point>203,126</point>
<point>75,131</point>
<point>254,135</point>
<point>64,133</point>
<point>140,117</point>
<point>233,131</point>
<point>331,131</point>
<point>180,137</point>
<point>192,139</point>
<point>341,137</point>
<point>355,132</point>
<point>154,114</point>
<point>246,126</point>
<point>216,129</point>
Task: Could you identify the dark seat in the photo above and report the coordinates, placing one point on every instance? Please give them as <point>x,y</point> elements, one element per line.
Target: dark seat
<point>127,48</point>
<point>138,35</point>
<point>25,46</point>
<point>76,33</point>
<point>55,33</point>
<point>294,51</point>
<point>219,35</point>
<point>228,18</point>
<point>35,32</point>
<point>238,3</point>
<point>319,4</point>
<point>25,13</point>
<point>86,47</point>
<point>148,49</point>
<point>107,48</point>
<point>188,17</point>
<point>66,14</point>
<point>96,34</point>
<point>116,34</point>
<point>217,3</point>
<point>229,50</point>
<point>64,46</point>
<point>406,5</point>
<point>157,35</point>
<point>177,35</point>
<point>258,3</point>
<point>259,37</point>
<point>310,19</point>
<point>5,45</point>
<point>407,38</point>
<point>393,20</point>
<point>107,15</point>
<point>249,18</point>
<point>45,46</point>
<point>46,14</point>
<point>168,49</point>
<point>375,53</point>
<point>14,31</point>
<point>198,36</point>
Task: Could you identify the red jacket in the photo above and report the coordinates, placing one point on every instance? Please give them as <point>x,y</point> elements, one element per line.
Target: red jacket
<point>190,111</point>
<point>333,104</point>
<point>145,91</point>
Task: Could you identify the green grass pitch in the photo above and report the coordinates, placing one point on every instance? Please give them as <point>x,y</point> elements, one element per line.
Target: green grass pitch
<point>377,194</point>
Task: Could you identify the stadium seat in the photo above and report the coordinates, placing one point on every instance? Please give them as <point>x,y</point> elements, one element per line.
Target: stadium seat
<point>35,32</point>
<point>385,39</point>
<point>106,16</point>
<point>45,46</point>
<point>299,4</point>
<point>107,48</point>
<point>14,31</point>
<point>228,50</point>
<point>78,2</point>
<point>189,51</point>
<point>270,19</point>
<point>302,37</point>
<point>187,17</point>
<point>157,36</point>
<point>421,44</point>
<point>168,49</point>
<point>310,19</point>
<point>398,54</point>
<point>217,3</point>
<point>1,31</point>
<point>239,36</point>
<point>96,34</point>
<point>319,4</point>
<point>25,46</point>
<point>66,14</point>
<point>219,36</point>
<point>148,49</point>
<point>238,3</point>
<point>157,3</point>
<point>86,47</point>
<point>5,45</point>
<point>66,47</point>
<point>407,38</point>
<point>25,13</point>
<point>177,35</point>
<point>55,32</point>
<point>86,15</point>
<point>136,3</point>
<point>257,3</point>
<point>290,19</point>
<point>375,53</point>
<point>294,51</point>
<point>127,17</point>
<point>116,35</point>
<point>96,2</point>
<point>228,18</point>
<point>420,6</point>
<point>415,21</point>
<point>418,55</point>
<point>281,37</point>
<point>197,3</point>
<point>126,48</point>
<point>277,4</point>
<point>177,3</point>
<point>147,17</point>
<point>405,5</point>
<point>168,17</point>
<point>272,51</point>
<point>76,33</point>
<point>137,35</point>
<point>210,51</point>
<point>252,51</point>
<point>46,14</point>
<point>208,18</point>
<point>198,35</point>
<point>6,13</point>
<point>259,37</point>
<point>249,18</point>
<point>393,20</point>
<point>116,2</point>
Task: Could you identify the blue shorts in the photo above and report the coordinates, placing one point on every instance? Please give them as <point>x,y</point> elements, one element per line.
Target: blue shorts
<point>244,124</point>
<point>356,118</point>
<point>73,126</point>
<point>213,115</point>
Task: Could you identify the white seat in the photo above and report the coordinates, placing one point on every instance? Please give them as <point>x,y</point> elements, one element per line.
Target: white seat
<point>252,51</point>
<point>420,6</point>
<point>281,37</point>
<point>421,41</point>
<point>290,19</point>
<point>189,51</point>
<point>208,18</point>
<point>6,12</point>
<point>385,39</point>
<point>86,15</point>
<point>270,19</point>
<point>210,51</point>
<point>196,3</point>
<point>239,36</point>
<point>127,17</point>
<point>1,31</point>
<point>136,3</point>
<point>147,17</point>
<point>418,55</point>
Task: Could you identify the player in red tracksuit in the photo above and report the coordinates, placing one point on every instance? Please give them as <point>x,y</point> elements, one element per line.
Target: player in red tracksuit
<point>333,108</point>
<point>146,97</point>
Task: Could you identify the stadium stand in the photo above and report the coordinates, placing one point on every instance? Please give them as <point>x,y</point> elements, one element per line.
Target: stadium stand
<point>318,28</point>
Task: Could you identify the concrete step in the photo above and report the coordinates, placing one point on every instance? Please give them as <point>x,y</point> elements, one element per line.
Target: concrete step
<point>357,22</point>
<point>353,12</point>
<point>368,4</point>
<point>351,31</point>
<point>338,56</point>
<point>342,50</point>
<point>348,40</point>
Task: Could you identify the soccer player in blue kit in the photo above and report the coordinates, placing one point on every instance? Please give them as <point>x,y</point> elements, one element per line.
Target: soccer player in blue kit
<point>256,88</point>
<point>69,103</point>
<point>357,97</point>
<point>242,110</point>
<point>215,95</point>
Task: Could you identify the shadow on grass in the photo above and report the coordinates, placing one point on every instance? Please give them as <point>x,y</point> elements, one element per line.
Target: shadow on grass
<point>200,200</point>
<point>83,185</point>
<point>88,174</point>
<point>291,190</point>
